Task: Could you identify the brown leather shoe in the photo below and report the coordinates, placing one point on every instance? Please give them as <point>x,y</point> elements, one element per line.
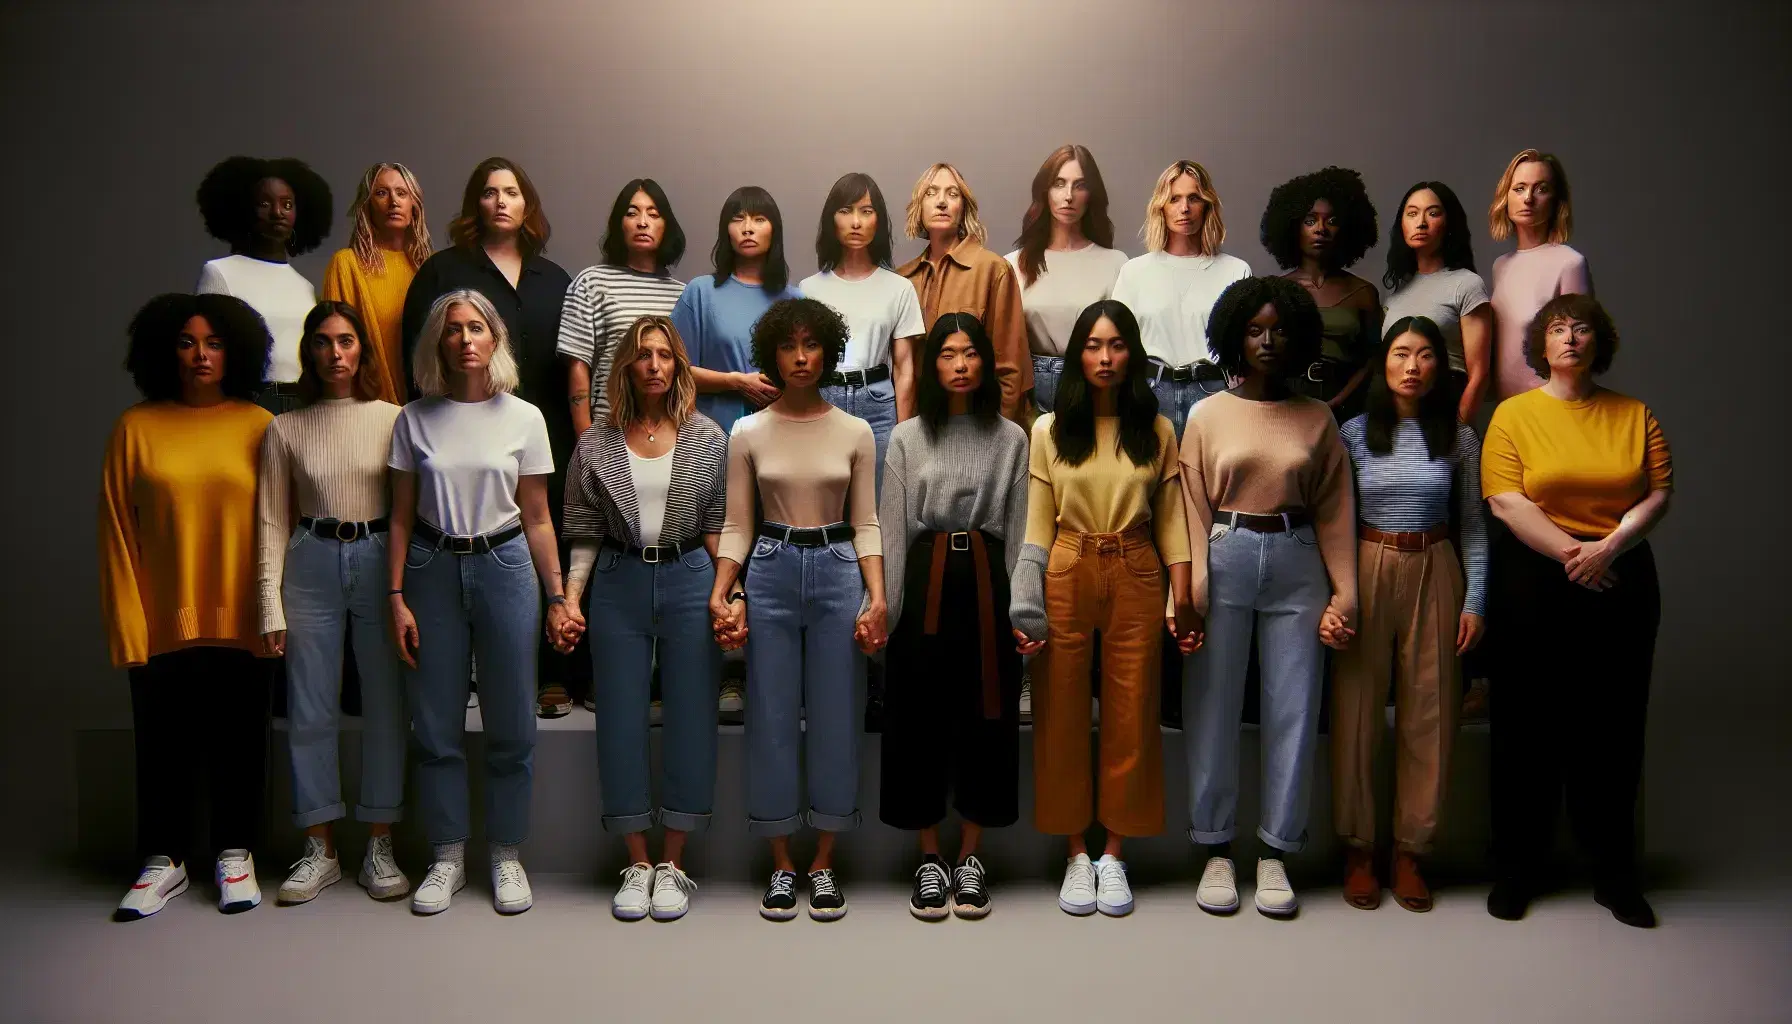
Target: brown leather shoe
<point>1410,890</point>
<point>1362,889</point>
<point>553,702</point>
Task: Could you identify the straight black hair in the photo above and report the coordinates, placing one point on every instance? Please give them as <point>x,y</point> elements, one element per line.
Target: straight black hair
<point>931,397</point>
<point>671,248</point>
<point>846,192</point>
<point>1458,250</point>
<point>751,200</point>
<point>1437,407</point>
<point>1073,422</point>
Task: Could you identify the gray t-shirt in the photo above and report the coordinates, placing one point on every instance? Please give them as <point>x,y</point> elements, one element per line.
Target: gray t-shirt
<point>1446,297</point>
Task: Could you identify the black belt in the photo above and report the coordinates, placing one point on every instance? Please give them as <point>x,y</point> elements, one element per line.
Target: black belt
<point>807,537</point>
<point>279,387</point>
<point>1281,522</point>
<point>856,378</point>
<point>346,532</point>
<point>1189,374</point>
<point>653,554</point>
<point>479,545</point>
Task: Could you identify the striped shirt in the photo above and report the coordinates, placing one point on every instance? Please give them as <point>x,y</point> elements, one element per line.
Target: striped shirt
<point>600,489</point>
<point>1407,490</point>
<point>600,307</point>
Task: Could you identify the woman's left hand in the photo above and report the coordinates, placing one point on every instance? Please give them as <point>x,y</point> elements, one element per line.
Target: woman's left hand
<point>870,630</point>
<point>1334,629</point>
<point>564,627</point>
<point>1591,565</point>
<point>1469,630</point>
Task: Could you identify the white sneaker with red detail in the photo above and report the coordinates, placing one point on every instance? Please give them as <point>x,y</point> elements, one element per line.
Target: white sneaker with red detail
<point>237,889</point>
<point>160,881</point>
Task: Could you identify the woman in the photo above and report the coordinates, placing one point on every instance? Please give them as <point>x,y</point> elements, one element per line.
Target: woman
<point>1267,486</point>
<point>1431,274</point>
<point>471,546</point>
<point>817,587</point>
<point>1416,465</point>
<point>1315,227</point>
<point>1102,501</point>
<point>1581,475</point>
<point>956,274</point>
<point>374,274</point>
<point>176,528</point>
<point>644,502</point>
<point>1531,203</point>
<point>324,465</point>
<point>1065,259</point>
<point>954,514</point>
<point>1172,288</point>
<point>267,211</point>
<point>642,242</point>
<point>716,312</point>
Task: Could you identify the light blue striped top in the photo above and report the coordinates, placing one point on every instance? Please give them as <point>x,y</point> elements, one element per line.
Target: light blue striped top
<point>1406,490</point>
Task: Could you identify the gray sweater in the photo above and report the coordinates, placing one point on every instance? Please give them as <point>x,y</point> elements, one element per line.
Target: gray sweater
<point>971,477</point>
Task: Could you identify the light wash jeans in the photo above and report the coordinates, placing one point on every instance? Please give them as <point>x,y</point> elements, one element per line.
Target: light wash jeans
<point>487,605</point>
<point>329,589</point>
<point>876,405</point>
<point>803,672</point>
<point>1279,580</point>
<point>635,605</point>
<point>1046,371</point>
<point>1174,401</point>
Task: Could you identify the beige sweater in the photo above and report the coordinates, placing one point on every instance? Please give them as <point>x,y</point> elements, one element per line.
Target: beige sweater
<point>804,473</point>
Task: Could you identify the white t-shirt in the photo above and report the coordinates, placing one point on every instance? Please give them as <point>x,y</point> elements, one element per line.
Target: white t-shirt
<point>1172,296</point>
<point>1068,282</point>
<point>653,481</point>
<point>467,457</point>
<point>877,309</point>
<point>278,292</point>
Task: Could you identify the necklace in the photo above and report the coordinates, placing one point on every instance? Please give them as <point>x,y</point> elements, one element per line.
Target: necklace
<point>652,431</point>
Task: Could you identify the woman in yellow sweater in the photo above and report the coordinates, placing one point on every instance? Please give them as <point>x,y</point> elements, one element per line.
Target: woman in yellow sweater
<point>177,587</point>
<point>391,241</point>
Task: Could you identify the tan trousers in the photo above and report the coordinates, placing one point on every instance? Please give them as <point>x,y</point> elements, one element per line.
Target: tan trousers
<point>1112,584</point>
<point>1409,604</point>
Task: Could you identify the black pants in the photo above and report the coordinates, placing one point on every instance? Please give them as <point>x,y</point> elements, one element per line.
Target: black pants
<point>1568,705</point>
<point>201,718</point>
<point>936,739</point>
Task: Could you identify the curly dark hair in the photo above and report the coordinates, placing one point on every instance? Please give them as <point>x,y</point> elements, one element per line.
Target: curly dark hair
<point>788,316</point>
<point>226,200</point>
<point>1232,313</point>
<point>1288,206</point>
<point>156,327</point>
<point>1457,251</point>
<point>1571,306</point>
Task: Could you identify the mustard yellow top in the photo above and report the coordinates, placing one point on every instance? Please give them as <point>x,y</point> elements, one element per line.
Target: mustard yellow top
<point>177,529</point>
<point>1583,463</point>
<point>1107,493</point>
<point>379,298</point>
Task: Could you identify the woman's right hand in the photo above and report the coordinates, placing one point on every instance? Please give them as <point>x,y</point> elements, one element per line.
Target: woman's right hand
<point>1025,646</point>
<point>756,388</point>
<point>729,619</point>
<point>404,631</point>
<point>273,645</point>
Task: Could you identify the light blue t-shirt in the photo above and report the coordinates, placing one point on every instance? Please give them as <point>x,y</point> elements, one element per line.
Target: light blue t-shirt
<point>716,323</point>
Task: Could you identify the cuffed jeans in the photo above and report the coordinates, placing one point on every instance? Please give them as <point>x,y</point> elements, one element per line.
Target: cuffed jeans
<point>802,664</point>
<point>1278,580</point>
<point>634,605</point>
<point>1046,371</point>
<point>485,606</point>
<point>876,405</point>
<point>331,590</point>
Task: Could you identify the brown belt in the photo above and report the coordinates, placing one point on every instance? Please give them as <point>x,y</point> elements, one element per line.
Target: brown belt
<point>1412,540</point>
<point>986,608</point>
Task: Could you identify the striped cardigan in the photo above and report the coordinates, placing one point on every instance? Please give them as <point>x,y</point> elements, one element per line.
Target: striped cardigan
<point>600,491</point>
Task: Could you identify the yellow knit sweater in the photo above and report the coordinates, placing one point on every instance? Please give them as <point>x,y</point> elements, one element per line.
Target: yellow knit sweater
<point>379,298</point>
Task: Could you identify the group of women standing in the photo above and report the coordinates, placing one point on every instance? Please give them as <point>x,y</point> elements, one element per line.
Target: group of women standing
<point>791,469</point>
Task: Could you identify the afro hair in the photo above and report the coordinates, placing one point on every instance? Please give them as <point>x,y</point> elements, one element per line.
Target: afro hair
<point>1231,317</point>
<point>157,326</point>
<point>1288,206</point>
<point>227,201</point>
<point>784,319</point>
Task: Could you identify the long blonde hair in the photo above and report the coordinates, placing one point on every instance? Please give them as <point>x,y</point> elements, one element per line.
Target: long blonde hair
<point>416,237</point>
<point>501,374</point>
<point>968,224</point>
<point>681,397</point>
<point>1213,227</point>
<point>1561,219</point>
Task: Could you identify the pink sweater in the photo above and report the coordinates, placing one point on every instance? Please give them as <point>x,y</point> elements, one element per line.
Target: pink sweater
<point>1523,281</point>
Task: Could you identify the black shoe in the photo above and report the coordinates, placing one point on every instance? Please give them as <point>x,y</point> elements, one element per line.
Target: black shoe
<point>928,901</point>
<point>1509,900</point>
<point>1626,903</point>
<point>779,902</point>
<point>969,898</point>
<point>826,901</point>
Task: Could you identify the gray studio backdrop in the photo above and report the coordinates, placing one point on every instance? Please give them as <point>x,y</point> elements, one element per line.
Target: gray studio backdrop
<point>1670,119</point>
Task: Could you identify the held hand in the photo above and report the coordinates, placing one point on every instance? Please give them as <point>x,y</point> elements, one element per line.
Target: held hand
<point>731,627</point>
<point>273,645</point>
<point>1469,629</point>
<point>404,631</point>
<point>1025,646</point>
<point>1334,629</point>
<point>870,630</point>
<point>563,631</point>
<point>1591,565</point>
<point>757,388</point>
<point>1189,633</point>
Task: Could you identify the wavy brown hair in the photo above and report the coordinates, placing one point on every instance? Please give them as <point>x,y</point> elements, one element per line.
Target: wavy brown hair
<point>681,397</point>
<point>1213,226</point>
<point>1036,226</point>
<point>467,231</point>
<point>370,373</point>
<point>968,224</point>
<point>416,237</point>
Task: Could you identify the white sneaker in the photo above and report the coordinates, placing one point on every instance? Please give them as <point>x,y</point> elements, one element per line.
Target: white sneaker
<point>1113,894</point>
<point>672,890</point>
<point>1275,896</point>
<point>633,900</point>
<point>1218,892</point>
<point>315,870</point>
<point>380,875</point>
<point>160,881</point>
<point>1026,699</point>
<point>510,885</point>
<point>472,699</point>
<point>237,889</point>
<point>1077,894</point>
<point>444,879</point>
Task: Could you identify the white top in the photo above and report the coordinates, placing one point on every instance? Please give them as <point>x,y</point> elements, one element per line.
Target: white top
<point>278,292</point>
<point>653,481</point>
<point>1172,297</point>
<point>1446,297</point>
<point>1068,282</point>
<point>877,309</point>
<point>467,457</point>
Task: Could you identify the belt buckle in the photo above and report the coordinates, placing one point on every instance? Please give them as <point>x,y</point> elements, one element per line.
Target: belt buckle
<point>461,545</point>
<point>1314,367</point>
<point>953,540</point>
<point>651,554</point>
<point>353,531</point>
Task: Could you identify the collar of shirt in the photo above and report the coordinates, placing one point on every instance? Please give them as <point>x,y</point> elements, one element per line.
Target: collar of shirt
<point>960,253</point>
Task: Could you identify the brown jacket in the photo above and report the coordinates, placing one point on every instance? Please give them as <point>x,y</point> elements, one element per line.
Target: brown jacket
<point>973,280</point>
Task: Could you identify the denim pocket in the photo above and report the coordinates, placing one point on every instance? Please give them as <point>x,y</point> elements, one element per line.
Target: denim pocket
<point>419,555</point>
<point>297,538</point>
<point>1305,536</point>
<point>844,551</point>
<point>764,546</point>
<point>696,559</point>
<point>607,560</point>
<point>1063,558</point>
<point>1142,562</point>
<point>513,553</point>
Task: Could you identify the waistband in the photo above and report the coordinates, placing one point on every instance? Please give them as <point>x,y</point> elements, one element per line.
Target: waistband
<point>856,378</point>
<point>807,536</point>
<point>346,532</point>
<point>977,544</point>
<point>1199,370</point>
<point>480,545</point>
<point>1130,538</point>
<point>287,388</point>
<point>1404,540</point>
<point>1276,522</point>
<point>1047,364</point>
<point>653,554</point>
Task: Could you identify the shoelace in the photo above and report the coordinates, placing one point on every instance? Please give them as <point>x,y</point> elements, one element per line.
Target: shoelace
<point>636,877</point>
<point>783,884</point>
<point>1112,874</point>
<point>379,857</point>
<point>1272,875</point>
<point>1080,877</point>
<point>822,885</point>
<point>930,881</point>
<point>510,872</point>
<point>312,862</point>
<point>667,875</point>
<point>441,875</point>
<point>232,868</point>
<point>968,878</point>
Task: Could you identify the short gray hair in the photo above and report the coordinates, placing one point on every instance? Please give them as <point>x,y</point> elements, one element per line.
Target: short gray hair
<point>426,358</point>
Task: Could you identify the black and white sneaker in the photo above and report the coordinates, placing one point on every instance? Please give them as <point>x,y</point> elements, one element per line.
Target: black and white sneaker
<point>826,901</point>
<point>928,901</point>
<point>779,903</point>
<point>969,897</point>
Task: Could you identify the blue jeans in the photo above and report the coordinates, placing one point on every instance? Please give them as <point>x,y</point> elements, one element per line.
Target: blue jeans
<point>724,407</point>
<point>485,606</point>
<point>1175,400</point>
<point>635,605</point>
<point>1046,371</point>
<point>330,589</point>
<point>1278,580</point>
<point>876,405</point>
<point>802,662</point>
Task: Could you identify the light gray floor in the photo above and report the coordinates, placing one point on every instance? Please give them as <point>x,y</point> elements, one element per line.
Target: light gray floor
<point>1718,957</point>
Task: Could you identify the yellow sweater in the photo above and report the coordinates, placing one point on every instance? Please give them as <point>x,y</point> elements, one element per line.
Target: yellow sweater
<point>1107,493</point>
<point>379,298</point>
<point>177,529</point>
<point>1583,463</point>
